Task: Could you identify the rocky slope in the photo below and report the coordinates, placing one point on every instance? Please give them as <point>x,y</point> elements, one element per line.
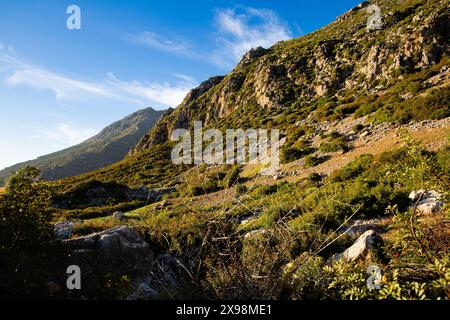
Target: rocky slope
<point>107,147</point>
<point>338,70</point>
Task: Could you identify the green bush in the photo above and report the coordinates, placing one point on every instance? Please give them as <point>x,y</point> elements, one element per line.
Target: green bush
<point>29,253</point>
<point>334,145</point>
<point>312,161</point>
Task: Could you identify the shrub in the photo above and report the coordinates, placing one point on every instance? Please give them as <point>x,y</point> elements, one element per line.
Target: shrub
<point>295,152</point>
<point>29,253</point>
<point>354,168</point>
<point>334,145</point>
<point>312,161</point>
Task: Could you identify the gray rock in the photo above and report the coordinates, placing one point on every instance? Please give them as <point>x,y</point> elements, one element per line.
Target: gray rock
<point>364,134</point>
<point>143,292</point>
<point>112,253</point>
<point>168,272</point>
<point>367,241</point>
<point>426,201</point>
<point>360,226</point>
<point>249,217</point>
<point>63,229</point>
<point>254,233</point>
<point>251,55</point>
<point>119,215</point>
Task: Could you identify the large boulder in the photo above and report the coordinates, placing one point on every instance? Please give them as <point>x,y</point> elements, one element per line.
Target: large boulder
<point>426,201</point>
<point>369,240</point>
<point>109,255</point>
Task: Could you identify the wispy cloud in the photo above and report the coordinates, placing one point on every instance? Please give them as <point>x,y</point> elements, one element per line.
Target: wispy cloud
<point>18,71</point>
<point>168,43</point>
<point>236,32</point>
<point>63,135</point>
<point>243,29</point>
<point>163,93</point>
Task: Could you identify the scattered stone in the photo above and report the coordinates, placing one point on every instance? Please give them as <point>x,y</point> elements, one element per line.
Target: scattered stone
<point>364,134</point>
<point>429,201</point>
<point>63,229</point>
<point>119,215</point>
<point>366,242</point>
<point>253,233</point>
<point>361,226</point>
<point>249,217</point>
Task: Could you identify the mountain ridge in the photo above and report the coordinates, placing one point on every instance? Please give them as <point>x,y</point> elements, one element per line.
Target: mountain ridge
<point>110,145</point>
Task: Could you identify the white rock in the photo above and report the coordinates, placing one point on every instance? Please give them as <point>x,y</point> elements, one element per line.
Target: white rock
<point>367,241</point>
<point>429,201</point>
<point>118,215</point>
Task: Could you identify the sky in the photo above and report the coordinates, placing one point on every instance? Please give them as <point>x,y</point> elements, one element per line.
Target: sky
<point>60,86</point>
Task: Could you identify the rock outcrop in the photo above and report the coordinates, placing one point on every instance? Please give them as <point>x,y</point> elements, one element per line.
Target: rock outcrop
<point>111,254</point>
<point>345,57</point>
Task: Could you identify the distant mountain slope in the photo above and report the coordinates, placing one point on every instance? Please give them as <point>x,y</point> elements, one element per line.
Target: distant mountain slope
<point>107,147</point>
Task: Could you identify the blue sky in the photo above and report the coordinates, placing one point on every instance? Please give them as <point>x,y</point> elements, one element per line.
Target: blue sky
<point>60,86</point>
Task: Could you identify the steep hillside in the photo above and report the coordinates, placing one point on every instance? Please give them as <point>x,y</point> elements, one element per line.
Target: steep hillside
<point>342,69</point>
<point>107,147</point>
<point>398,72</point>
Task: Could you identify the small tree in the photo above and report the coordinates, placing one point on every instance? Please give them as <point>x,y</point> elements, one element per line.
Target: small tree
<point>28,249</point>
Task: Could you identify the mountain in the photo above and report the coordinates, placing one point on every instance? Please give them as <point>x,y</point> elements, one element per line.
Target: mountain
<point>343,69</point>
<point>394,72</point>
<point>107,147</point>
<point>358,210</point>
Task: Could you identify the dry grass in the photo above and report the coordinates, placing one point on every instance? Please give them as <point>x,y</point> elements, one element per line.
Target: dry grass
<point>431,139</point>
<point>2,190</point>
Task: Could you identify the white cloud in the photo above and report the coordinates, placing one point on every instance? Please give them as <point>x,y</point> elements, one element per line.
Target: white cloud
<point>184,77</point>
<point>20,72</point>
<point>163,93</point>
<point>63,135</point>
<point>237,31</point>
<point>171,43</point>
<point>63,87</point>
<point>244,29</point>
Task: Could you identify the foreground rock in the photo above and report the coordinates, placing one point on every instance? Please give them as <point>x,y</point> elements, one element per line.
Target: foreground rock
<point>105,257</point>
<point>426,201</point>
<point>368,241</point>
<point>109,255</point>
